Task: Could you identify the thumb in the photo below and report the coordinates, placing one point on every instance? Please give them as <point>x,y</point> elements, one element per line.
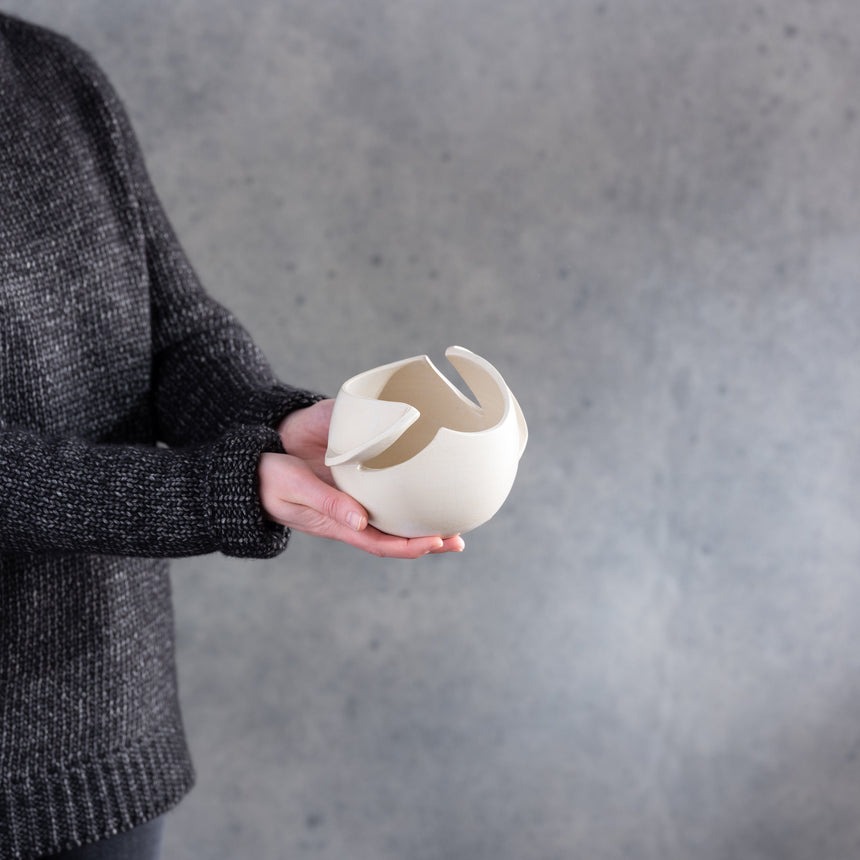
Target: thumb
<point>330,502</point>
<point>350,513</point>
<point>288,480</point>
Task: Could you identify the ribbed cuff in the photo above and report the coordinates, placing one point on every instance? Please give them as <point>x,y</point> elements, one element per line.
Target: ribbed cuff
<point>237,520</point>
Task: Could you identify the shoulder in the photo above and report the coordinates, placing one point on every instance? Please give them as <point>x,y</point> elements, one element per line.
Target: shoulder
<point>48,64</point>
<point>57,91</point>
<point>33,46</point>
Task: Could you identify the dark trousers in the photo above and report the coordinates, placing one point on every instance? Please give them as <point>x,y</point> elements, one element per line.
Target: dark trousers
<point>142,843</point>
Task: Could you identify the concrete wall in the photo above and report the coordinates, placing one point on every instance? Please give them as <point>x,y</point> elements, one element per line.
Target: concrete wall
<point>646,215</point>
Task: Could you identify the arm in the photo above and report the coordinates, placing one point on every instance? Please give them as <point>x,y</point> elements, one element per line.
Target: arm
<point>208,375</point>
<point>69,495</point>
<point>73,496</point>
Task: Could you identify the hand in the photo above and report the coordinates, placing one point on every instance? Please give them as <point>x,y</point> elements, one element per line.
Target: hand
<point>297,490</point>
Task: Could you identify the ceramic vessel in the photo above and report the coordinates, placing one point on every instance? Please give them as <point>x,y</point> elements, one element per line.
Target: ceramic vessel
<point>420,456</point>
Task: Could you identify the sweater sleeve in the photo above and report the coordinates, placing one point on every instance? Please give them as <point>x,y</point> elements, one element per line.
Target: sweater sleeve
<point>69,495</point>
<point>208,375</point>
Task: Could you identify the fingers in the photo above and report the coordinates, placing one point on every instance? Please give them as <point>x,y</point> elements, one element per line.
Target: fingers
<point>452,544</point>
<point>370,539</point>
<point>389,546</point>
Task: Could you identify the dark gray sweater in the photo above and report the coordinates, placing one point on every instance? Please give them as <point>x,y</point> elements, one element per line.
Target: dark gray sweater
<point>108,346</point>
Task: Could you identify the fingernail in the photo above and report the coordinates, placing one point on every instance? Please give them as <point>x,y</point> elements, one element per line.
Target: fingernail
<point>434,549</point>
<point>355,521</point>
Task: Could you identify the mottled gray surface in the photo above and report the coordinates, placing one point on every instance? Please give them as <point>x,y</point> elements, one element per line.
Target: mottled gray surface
<point>646,215</point>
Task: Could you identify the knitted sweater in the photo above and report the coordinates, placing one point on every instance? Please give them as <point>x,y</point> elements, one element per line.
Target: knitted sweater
<point>108,347</point>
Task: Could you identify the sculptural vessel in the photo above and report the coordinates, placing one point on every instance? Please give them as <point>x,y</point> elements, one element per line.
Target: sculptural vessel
<point>420,456</point>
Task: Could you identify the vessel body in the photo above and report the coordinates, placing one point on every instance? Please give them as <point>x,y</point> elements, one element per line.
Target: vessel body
<point>420,456</point>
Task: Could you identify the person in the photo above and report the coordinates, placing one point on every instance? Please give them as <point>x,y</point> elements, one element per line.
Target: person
<point>138,423</point>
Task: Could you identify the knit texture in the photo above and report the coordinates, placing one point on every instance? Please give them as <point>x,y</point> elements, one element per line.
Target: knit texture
<point>108,347</point>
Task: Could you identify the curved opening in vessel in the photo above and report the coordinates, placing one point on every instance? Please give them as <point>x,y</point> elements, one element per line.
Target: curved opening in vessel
<point>440,405</point>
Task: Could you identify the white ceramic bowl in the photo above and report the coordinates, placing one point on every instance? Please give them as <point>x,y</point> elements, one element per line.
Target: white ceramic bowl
<point>420,456</point>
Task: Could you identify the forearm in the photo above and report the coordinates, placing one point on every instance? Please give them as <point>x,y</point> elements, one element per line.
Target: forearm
<point>217,379</point>
<point>67,495</point>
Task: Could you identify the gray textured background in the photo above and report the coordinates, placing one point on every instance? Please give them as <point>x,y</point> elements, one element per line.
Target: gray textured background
<point>646,215</point>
